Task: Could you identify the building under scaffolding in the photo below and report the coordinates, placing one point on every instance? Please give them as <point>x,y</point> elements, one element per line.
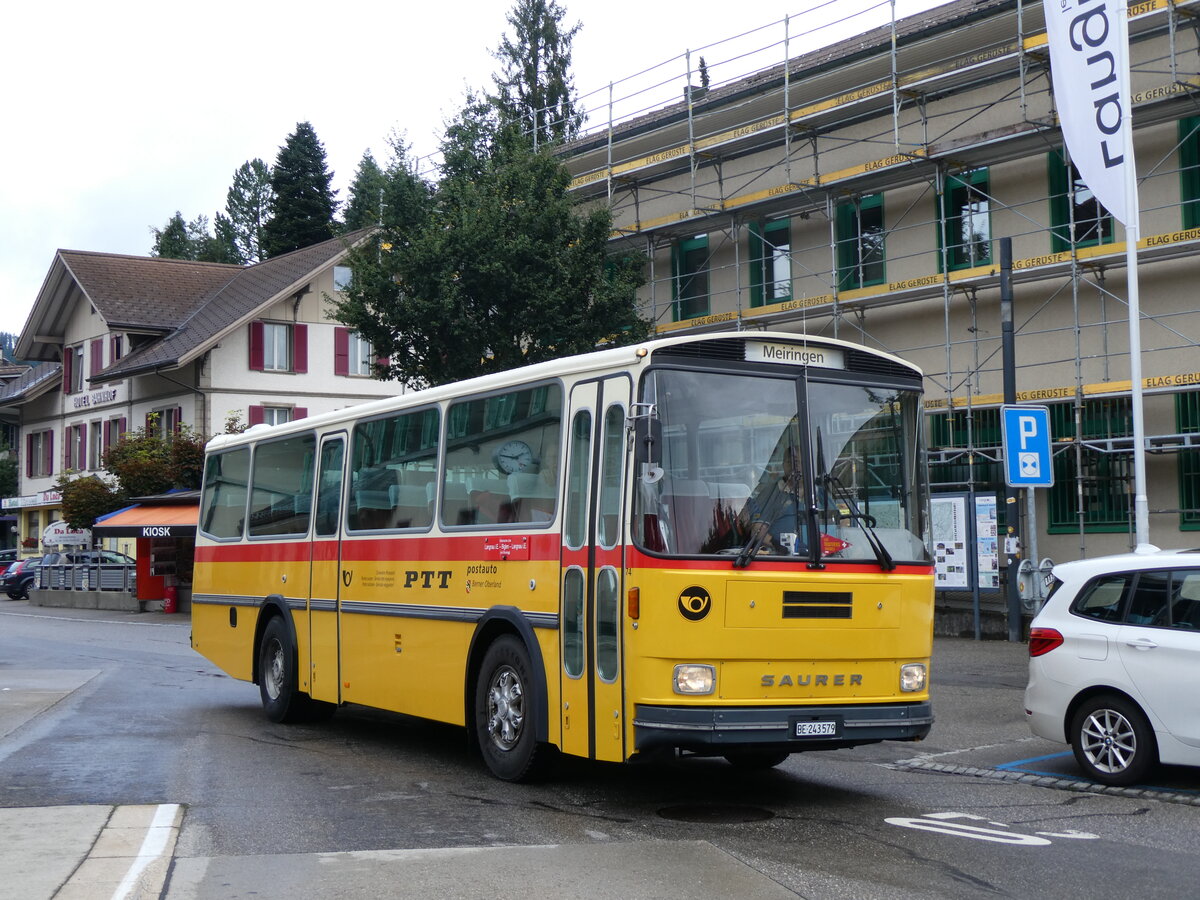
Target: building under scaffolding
<point>860,191</point>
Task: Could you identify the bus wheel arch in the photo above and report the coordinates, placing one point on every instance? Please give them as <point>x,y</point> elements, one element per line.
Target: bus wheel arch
<point>505,657</point>
<point>276,668</point>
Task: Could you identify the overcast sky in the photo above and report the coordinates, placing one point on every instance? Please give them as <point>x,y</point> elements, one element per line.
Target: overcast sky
<point>118,114</point>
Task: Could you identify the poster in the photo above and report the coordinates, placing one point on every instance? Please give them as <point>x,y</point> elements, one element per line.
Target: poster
<point>950,541</point>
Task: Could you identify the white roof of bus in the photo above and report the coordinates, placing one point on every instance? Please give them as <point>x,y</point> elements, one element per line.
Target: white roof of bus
<point>627,355</point>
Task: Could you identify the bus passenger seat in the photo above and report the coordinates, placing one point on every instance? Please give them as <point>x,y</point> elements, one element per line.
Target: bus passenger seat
<point>532,499</point>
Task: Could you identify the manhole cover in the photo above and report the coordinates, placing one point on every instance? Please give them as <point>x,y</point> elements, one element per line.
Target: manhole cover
<point>716,813</point>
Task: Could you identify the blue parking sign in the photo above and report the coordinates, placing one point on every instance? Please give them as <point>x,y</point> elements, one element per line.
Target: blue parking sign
<point>1025,433</point>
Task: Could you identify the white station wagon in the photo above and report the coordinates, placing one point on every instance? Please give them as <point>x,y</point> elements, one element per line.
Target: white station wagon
<point>1114,663</point>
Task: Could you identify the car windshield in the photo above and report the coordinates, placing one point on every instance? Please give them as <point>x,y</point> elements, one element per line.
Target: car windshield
<point>750,465</point>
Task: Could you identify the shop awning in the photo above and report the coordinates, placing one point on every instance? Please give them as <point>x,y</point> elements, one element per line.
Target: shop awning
<point>150,520</point>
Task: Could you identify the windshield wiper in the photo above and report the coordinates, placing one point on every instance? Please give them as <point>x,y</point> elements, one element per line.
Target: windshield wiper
<point>834,487</point>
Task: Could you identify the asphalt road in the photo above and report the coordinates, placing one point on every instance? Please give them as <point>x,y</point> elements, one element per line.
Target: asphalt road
<point>129,763</point>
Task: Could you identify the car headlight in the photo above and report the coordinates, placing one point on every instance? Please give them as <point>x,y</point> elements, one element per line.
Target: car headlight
<point>913,677</point>
<point>693,678</point>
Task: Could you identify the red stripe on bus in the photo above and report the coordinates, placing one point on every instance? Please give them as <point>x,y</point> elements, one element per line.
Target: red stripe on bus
<point>470,548</point>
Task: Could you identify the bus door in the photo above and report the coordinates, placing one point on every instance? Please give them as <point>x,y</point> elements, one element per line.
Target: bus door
<point>323,675</point>
<point>593,710</point>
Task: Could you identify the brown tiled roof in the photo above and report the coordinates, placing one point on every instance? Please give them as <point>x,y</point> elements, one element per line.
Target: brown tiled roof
<point>32,383</point>
<point>236,300</point>
<point>133,292</point>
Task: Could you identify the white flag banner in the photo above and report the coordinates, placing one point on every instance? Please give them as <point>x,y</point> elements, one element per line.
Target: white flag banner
<point>1089,65</point>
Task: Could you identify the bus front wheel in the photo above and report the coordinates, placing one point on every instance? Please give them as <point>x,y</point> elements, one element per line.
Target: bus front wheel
<point>504,712</point>
<point>281,698</point>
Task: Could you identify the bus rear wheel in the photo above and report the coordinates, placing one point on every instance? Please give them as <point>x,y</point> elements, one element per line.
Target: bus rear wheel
<point>504,713</point>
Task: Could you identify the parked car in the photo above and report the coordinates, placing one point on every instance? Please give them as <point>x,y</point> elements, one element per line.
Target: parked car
<point>87,557</point>
<point>18,577</point>
<point>9,556</point>
<point>1114,663</point>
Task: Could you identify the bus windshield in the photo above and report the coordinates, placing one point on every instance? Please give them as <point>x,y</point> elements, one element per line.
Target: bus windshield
<point>797,467</point>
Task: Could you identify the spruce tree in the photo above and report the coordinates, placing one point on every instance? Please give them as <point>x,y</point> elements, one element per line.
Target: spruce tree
<point>534,83</point>
<point>173,241</point>
<point>366,192</point>
<point>303,204</point>
<point>248,206</point>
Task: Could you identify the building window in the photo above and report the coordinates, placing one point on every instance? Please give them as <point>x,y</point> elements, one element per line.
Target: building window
<point>275,415</point>
<point>278,347</point>
<point>770,262</point>
<point>114,430</point>
<point>75,449</point>
<point>1187,421</point>
<point>164,423</point>
<point>1073,205</point>
<point>690,265</point>
<point>859,226</point>
<point>964,452</point>
<point>341,278</point>
<point>352,353</point>
<point>1189,166</point>
<point>116,346</point>
<point>95,445</point>
<point>73,370</point>
<point>968,227</point>
<point>1103,480</point>
<point>39,454</point>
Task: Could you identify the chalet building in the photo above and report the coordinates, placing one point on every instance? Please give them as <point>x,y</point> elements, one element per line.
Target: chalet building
<point>127,342</point>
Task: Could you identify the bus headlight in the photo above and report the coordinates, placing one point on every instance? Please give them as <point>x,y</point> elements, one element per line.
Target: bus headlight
<point>912,677</point>
<point>692,678</point>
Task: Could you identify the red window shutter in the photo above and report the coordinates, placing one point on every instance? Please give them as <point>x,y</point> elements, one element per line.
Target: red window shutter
<point>178,419</point>
<point>299,412</point>
<point>29,456</point>
<point>300,348</point>
<point>83,450</point>
<point>341,350</point>
<point>68,362</point>
<point>48,453</point>
<point>256,346</point>
<point>107,439</point>
<point>97,356</point>
<point>256,415</point>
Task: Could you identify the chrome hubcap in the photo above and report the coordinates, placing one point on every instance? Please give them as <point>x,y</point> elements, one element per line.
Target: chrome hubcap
<point>273,676</point>
<point>505,708</point>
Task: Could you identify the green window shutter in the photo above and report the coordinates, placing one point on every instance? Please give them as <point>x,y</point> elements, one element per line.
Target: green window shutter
<point>1060,202</point>
<point>1189,165</point>
<point>757,249</point>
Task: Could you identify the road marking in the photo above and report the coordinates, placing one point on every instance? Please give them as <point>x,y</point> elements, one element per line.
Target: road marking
<point>158,843</point>
<point>940,824</point>
<point>183,624</point>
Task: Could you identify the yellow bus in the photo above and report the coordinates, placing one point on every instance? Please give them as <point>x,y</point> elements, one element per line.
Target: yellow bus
<point>712,545</point>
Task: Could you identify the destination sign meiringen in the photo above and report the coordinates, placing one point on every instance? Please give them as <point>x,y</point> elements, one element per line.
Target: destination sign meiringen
<point>795,355</point>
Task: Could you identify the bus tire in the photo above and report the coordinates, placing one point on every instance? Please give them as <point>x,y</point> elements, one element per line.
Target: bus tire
<point>281,697</point>
<point>504,711</point>
<point>756,760</point>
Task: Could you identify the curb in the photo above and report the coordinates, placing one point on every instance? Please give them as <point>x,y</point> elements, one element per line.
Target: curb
<point>1061,784</point>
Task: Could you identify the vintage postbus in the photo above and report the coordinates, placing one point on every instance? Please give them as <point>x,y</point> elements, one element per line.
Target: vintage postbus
<point>712,545</point>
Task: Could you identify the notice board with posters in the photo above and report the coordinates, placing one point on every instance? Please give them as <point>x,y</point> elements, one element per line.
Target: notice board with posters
<point>965,550</point>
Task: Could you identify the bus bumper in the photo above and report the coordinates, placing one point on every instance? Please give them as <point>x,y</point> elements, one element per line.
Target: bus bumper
<point>716,730</point>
